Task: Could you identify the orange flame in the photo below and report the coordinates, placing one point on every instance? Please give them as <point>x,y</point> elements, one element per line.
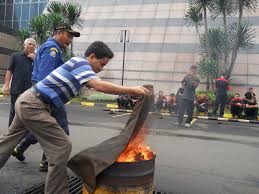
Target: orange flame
<point>136,149</point>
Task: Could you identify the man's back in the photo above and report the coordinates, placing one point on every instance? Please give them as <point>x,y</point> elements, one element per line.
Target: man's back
<point>48,58</point>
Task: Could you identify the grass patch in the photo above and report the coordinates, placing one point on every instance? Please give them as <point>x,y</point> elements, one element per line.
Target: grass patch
<point>100,98</point>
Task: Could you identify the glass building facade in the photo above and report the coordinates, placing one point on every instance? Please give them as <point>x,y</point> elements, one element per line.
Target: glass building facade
<point>17,13</point>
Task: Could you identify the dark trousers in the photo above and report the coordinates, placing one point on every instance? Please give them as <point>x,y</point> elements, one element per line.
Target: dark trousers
<point>60,114</point>
<point>12,111</point>
<point>187,105</point>
<point>220,101</point>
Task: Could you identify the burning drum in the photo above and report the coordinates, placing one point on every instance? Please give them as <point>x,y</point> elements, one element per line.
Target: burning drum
<point>126,178</point>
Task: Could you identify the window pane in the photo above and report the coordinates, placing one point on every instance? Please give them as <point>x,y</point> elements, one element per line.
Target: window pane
<point>2,11</point>
<point>24,24</point>
<point>34,0</point>
<point>8,23</point>
<point>16,24</point>
<point>2,1</point>
<point>34,10</point>
<point>9,1</point>
<point>25,11</point>
<point>18,1</point>
<point>42,7</point>
<point>17,11</point>
<point>9,12</point>
<point>26,1</point>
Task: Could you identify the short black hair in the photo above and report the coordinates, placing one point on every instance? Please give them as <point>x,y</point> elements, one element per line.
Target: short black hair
<point>194,67</point>
<point>100,49</point>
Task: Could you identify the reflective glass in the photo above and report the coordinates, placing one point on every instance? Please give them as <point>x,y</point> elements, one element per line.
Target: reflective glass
<point>25,11</point>
<point>34,10</point>
<point>2,11</point>
<point>42,6</point>
<point>8,23</point>
<point>9,12</point>
<point>24,24</point>
<point>17,11</point>
<point>16,24</point>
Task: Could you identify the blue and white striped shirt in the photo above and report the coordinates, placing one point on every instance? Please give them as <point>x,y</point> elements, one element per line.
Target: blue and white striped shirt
<point>64,83</point>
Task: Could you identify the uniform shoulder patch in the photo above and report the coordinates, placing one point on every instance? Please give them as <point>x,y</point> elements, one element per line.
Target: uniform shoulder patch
<point>53,52</point>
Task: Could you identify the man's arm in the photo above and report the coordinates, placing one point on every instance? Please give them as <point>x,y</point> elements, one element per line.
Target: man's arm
<point>8,76</point>
<point>6,87</point>
<point>107,87</point>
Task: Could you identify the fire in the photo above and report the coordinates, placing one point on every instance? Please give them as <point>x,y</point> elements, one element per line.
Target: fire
<point>136,149</point>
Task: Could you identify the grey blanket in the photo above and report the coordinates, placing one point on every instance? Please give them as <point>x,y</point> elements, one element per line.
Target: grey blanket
<point>89,163</point>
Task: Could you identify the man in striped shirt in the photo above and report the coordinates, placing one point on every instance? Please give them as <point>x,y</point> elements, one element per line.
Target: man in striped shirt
<point>60,86</point>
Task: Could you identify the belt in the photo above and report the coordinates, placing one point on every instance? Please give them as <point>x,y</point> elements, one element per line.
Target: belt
<point>38,95</point>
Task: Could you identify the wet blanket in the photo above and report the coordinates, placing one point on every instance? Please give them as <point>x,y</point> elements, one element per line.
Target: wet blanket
<point>89,163</point>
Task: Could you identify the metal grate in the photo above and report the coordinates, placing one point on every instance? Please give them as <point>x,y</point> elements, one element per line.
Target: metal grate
<point>75,187</point>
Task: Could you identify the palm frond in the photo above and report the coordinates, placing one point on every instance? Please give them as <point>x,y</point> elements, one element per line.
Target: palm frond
<point>242,36</point>
<point>193,16</point>
<point>55,7</point>
<point>215,43</point>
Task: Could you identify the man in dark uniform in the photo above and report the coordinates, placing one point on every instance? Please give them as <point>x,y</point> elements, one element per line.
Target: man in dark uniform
<point>19,74</point>
<point>222,86</point>
<point>48,58</point>
<point>190,83</point>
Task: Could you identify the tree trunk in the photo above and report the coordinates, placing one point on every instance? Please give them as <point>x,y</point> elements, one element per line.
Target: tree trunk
<point>198,32</point>
<point>208,83</point>
<point>205,20</point>
<point>212,85</point>
<point>235,48</point>
<point>226,54</point>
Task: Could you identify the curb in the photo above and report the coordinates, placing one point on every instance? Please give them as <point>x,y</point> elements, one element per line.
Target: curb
<point>227,117</point>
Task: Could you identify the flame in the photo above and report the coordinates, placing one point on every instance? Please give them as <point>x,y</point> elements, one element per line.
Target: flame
<point>136,149</point>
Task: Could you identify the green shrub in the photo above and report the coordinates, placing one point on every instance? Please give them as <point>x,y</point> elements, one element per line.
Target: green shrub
<point>100,97</point>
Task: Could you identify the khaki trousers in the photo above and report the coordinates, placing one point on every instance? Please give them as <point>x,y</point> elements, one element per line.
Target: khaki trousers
<point>32,115</point>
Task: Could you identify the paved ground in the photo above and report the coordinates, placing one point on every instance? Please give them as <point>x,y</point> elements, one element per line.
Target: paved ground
<point>206,159</point>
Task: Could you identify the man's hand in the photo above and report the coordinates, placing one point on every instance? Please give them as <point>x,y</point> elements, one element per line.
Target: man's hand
<point>139,90</point>
<point>31,56</point>
<point>6,90</point>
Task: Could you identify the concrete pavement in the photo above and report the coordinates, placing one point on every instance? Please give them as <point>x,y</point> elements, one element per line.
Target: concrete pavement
<point>206,159</point>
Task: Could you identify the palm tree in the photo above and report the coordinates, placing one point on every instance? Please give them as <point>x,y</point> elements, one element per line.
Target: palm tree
<point>209,69</point>
<point>71,12</point>
<point>203,5</point>
<point>39,27</point>
<point>215,41</point>
<point>241,36</point>
<point>241,6</point>
<point>224,8</point>
<point>193,17</point>
<point>21,35</point>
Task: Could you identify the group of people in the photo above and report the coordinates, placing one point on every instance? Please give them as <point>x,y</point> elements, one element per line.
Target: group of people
<point>247,104</point>
<point>40,84</point>
<point>202,103</point>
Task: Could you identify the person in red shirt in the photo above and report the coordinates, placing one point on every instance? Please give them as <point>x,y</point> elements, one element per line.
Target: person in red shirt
<point>172,103</point>
<point>161,101</point>
<point>236,106</point>
<point>202,104</point>
<point>222,86</point>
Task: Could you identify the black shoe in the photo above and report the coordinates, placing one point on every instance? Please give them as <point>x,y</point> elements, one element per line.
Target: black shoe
<point>43,166</point>
<point>19,155</point>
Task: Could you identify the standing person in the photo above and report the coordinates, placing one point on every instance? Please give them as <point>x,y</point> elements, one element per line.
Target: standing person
<point>179,96</point>
<point>222,86</point>
<point>19,73</point>
<point>190,83</point>
<point>33,111</point>
<point>48,58</point>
